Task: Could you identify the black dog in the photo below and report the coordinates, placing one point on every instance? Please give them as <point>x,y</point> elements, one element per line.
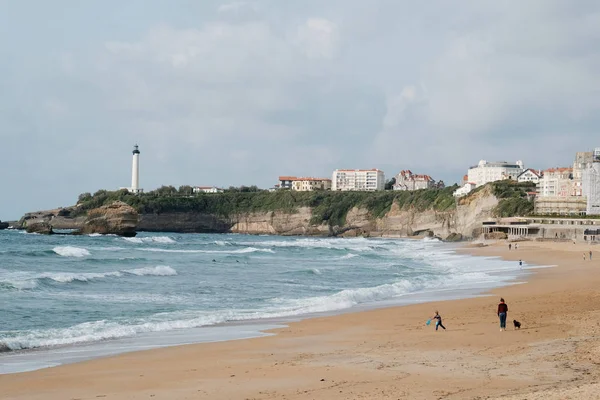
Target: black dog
<point>517,324</point>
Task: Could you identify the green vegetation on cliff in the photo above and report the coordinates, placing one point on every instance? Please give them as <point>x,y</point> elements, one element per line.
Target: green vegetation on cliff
<point>327,207</point>
<point>513,200</point>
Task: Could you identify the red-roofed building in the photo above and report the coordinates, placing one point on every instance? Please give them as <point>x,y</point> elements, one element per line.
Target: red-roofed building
<point>556,182</point>
<point>406,180</point>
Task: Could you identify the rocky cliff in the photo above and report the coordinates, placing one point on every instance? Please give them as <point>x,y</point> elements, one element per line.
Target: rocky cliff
<point>116,218</point>
<point>463,221</point>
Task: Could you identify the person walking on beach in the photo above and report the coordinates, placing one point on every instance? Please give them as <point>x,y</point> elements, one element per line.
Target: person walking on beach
<point>516,244</point>
<point>583,256</point>
<point>520,264</point>
<point>509,246</point>
<point>502,312</point>
<point>590,255</point>
<point>438,321</point>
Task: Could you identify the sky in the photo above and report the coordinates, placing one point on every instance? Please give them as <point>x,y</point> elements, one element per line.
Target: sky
<point>237,93</point>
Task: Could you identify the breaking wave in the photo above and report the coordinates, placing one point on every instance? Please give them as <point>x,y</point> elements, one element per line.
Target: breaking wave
<point>71,251</point>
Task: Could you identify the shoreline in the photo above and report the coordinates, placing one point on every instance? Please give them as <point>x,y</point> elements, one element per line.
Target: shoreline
<point>32,359</point>
<point>375,354</point>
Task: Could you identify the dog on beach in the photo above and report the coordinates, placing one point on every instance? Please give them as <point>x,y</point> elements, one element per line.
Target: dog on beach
<point>517,324</point>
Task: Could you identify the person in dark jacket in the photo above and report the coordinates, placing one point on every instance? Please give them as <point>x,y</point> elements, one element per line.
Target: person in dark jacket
<point>502,312</point>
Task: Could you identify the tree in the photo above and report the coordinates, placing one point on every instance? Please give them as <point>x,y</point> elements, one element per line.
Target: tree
<point>83,197</point>
<point>186,190</point>
<point>389,185</point>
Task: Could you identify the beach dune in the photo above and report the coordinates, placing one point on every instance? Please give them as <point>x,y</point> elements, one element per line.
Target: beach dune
<point>380,354</point>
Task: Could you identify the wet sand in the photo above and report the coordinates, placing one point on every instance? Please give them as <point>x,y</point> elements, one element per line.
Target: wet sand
<point>380,354</point>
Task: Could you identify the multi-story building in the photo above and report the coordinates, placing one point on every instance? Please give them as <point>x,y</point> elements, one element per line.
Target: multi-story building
<point>583,159</point>
<point>530,175</point>
<point>556,182</point>
<point>358,180</point>
<point>303,184</point>
<point>486,172</point>
<point>591,184</point>
<point>406,180</point>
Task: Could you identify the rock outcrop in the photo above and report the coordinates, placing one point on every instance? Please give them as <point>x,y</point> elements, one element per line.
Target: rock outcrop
<point>116,218</point>
<point>59,218</point>
<point>43,228</point>
<point>3,225</point>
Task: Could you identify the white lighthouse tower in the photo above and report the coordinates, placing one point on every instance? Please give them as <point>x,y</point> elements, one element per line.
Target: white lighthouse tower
<point>135,171</point>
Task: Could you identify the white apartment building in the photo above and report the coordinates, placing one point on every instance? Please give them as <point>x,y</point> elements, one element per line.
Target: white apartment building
<point>357,180</point>
<point>556,182</point>
<point>530,175</point>
<point>591,184</point>
<point>486,172</point>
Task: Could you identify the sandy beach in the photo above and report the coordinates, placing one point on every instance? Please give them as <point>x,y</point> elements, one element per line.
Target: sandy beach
<point>381,354</point>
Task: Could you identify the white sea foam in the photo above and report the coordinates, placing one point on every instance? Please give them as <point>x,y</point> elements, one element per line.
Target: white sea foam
<point>316,271</point>
<point>160,270</point>
<point>66,277</point>
<point>151,239</point>
<point>95,235</point>
<point>71,251</point>
<point>348,256</point>
<point>222,243</point>
<point>237,251</point>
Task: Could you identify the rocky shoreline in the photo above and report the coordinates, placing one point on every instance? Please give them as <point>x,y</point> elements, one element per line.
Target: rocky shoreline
<point>118,218</point>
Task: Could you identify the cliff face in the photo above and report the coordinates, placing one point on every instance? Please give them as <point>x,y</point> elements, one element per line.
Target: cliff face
<point>465,220</point>
<point>117,218</point>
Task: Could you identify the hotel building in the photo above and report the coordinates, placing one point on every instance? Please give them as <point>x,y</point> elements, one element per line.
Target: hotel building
<point>357,180</point>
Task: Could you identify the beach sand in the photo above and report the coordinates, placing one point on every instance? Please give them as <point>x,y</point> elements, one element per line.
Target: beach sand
<point>380,354</point>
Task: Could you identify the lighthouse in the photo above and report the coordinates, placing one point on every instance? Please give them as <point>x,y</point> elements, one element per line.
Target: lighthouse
<point>135,171</point>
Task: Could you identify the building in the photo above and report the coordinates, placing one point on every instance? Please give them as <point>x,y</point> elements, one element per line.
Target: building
<point>530,175</point>
<point>303,184</point>
<point>406,180</point>
<point>206,189</point>
<point>556,182</point>
<point>135,172</point>
<point>464,189</point>
<point>583,159</point>
<point>358,180</point>
<point>591,184</point>
<point>486,172</point>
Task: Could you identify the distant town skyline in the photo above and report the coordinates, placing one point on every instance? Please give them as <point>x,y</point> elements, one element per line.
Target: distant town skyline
<point>237,93</point>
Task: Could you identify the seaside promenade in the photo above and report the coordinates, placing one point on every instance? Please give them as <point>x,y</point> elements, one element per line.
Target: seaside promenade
<point>380,354</point>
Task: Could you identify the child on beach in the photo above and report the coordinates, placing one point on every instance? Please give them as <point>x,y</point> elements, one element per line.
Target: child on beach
<point>438,321</point>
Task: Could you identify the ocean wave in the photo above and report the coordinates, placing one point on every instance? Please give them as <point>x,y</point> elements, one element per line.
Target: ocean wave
<point>222,243</point>
<point>71,251</point>
<point>66,277</point>
<point>160,270</point>
<point>29,280</point>
<point>238,251</point>
<point>152,239</point>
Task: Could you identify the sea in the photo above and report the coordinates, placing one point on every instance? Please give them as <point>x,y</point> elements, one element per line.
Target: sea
<point>70,298</point>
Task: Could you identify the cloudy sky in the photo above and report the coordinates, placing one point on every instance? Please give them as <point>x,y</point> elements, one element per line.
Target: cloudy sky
<point>230,93</point>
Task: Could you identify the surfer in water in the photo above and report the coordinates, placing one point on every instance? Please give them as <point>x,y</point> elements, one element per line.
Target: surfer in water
<point>438,321</point>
